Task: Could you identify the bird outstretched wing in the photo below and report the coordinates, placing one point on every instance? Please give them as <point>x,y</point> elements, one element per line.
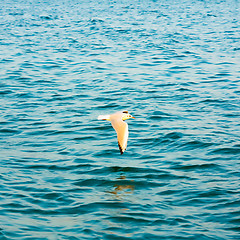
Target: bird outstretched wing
<point>121,128</point>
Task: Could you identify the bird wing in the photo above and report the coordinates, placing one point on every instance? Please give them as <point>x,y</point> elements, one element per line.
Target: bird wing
<point>122,133</point>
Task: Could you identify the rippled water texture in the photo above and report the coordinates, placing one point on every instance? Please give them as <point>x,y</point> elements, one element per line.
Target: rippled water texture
<point>174,65</point>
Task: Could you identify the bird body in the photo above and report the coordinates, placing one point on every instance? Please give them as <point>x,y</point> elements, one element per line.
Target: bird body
<point>104,117</point>
<point>121,127</point>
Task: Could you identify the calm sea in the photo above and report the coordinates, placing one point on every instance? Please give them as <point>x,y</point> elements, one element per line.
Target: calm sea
<point>174,65</point>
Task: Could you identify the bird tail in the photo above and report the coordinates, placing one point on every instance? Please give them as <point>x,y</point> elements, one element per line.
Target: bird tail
<point>104,117</point>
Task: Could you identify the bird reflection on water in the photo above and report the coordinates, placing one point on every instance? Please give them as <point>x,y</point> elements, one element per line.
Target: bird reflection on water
<point>119,193</point>
<point>122,189</point>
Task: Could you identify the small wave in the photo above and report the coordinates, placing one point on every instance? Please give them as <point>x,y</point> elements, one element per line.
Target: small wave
<point>130,220</point>
<point>5,92</point>
<point>157,115</point>
<point>191,145</point>
<point>7,131</point>
<point>226,151</point>
<point>197,166</point>
<point>174,135</point>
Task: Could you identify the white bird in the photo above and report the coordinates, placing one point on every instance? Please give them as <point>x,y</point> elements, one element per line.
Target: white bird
<point>117,121</point>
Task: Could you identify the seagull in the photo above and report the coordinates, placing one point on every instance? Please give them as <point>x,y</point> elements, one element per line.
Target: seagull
<point>117,121</point>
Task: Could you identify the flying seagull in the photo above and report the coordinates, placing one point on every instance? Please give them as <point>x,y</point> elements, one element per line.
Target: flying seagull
<point>117,121</point>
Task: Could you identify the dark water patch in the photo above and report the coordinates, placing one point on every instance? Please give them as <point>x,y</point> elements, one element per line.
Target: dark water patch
<point>79,168</point>
<point>130,220</point>
<point>147,64</point>
<point>58,132</point>
<point>191,145</point>
<point>169,192</point>
<point>157,115</point>
<point>226,151</point>
<point>123,184</point>
<point>46,17</point>
<point>196,167</point>
<point>108,106</point>
<point>212,193</point>
<point>5,92</point>
<point>43,132</point>
<point>107,152</point>
<point>182,89</point>
<point>7,131</point>
<point>163,176</point>
<point>132,169</point>
<point>38,124</point>
<point>174,135</point>
<point>85,138</point>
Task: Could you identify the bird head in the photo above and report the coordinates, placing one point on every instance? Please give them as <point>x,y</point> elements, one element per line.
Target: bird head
<point>126,115</point>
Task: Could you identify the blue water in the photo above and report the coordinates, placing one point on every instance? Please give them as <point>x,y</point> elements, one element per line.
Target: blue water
<point>174,65</point>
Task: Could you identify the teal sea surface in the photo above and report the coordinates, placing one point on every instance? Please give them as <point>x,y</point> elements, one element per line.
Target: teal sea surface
<point>174,65</point>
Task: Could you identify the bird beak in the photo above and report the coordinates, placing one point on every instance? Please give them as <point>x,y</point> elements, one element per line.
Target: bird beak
<point>132,117</point>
